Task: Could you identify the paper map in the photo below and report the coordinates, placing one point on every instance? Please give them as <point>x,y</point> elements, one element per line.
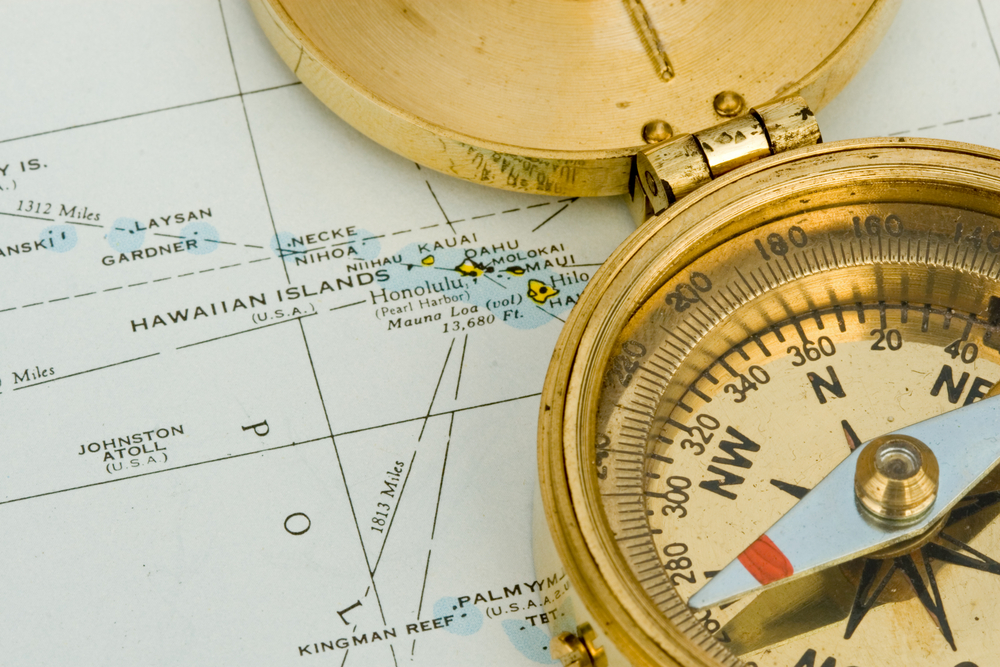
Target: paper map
<point>268,392</point>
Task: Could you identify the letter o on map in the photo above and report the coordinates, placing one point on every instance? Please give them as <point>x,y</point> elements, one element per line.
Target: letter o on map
<point>297,523</point>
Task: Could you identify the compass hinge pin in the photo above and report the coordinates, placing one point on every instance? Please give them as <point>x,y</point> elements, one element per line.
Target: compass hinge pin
<point>578,650</point>
<point>665,172</point>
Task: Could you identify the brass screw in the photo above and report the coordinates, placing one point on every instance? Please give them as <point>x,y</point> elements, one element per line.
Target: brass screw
<point>727,103</point>
<point>656,131</point>
<point>896,477</point>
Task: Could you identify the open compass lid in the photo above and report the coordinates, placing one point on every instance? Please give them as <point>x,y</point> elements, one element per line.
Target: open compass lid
<point>556,96</point>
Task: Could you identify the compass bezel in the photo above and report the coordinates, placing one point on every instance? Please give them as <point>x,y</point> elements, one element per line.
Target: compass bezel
<point>752,195</point>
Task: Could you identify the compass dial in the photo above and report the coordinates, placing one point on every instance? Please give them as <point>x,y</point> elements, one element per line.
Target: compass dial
<point>738,351</point>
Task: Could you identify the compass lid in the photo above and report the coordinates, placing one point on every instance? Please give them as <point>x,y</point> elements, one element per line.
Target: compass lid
<point>554,96</point>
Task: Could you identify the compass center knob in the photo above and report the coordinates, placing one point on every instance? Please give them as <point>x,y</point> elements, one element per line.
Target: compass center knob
<point>896,477</point>
<point>898,460</point>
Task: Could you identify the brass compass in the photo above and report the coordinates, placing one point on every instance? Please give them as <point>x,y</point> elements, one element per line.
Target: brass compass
<point>767,435</point>
<point>556,97</point>
<point>729,357</point>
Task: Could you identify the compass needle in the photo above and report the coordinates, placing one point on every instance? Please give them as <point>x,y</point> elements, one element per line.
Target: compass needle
<point>827,528</point>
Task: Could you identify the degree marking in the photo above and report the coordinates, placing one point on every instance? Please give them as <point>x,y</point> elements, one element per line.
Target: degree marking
<point>744,279</point>
<point>777,281</point>
<point>760,344</point>
<point>799,330</point>
<point>809,268</point>
<point>729,369</point>
<point>818,318</point>
<point>742,296</point>
<point>646,370</point>
<point>692,333</point>
<point>968,327</point>
<point>700,394</point>
<point>710,309</point>
<point>784,277</point>
<point>665,369</point>
<point>840,319</point>
<point>648,396</point>
<point>728,305</point>
<point>860,308</point>
<point>638,412</point>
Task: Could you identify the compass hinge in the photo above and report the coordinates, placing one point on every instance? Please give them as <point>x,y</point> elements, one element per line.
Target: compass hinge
<point>578,650</point>
<point>665,172</point>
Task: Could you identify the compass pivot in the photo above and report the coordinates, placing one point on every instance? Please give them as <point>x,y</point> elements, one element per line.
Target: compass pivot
<point>896,478</point>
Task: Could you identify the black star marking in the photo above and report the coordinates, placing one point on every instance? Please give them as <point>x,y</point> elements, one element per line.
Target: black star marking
<point>862,601</point>
<point>971,505</point>
<point>853,441</point>
<point>933,605</point>
<point>924,583</point>
<point>789,488</point>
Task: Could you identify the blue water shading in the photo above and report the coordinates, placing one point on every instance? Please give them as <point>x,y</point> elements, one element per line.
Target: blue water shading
<point>286,246</point>
<point>467,621</point>
<point>126,235</point>
<point>532,642</point>
<point>206,237</point>
<point>505,289</point>
<point>61,238</point>
<point>365,245</point>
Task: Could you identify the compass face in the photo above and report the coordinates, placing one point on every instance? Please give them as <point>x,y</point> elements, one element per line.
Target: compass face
<point>748,346</point>
<point>766,420</point>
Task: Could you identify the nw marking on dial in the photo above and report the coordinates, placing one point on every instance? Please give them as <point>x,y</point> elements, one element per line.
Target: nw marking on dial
<point>925,584</point>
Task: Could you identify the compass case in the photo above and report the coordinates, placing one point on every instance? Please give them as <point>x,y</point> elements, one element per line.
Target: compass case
<point>555,97</point>
<point>846,197</point>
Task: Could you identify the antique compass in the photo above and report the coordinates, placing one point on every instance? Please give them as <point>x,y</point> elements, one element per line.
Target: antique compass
<point>767,435</point>
<point>729,364</point>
